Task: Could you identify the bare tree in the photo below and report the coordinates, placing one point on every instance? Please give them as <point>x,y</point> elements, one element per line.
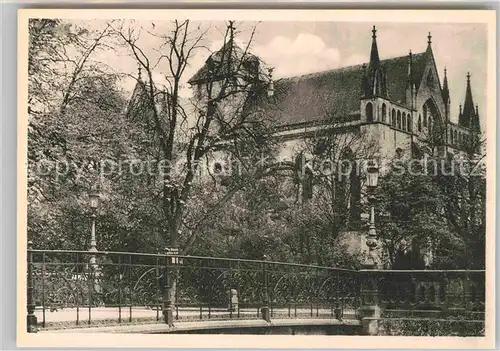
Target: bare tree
<point>224,120</point>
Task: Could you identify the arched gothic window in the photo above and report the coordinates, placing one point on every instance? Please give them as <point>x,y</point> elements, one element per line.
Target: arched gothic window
<point>399,120</point>
<point>403,121</point>
<point>456,136</point>
<point>393,117</point>
<point>409,123</point>
<point>419,123</point>
<point>307,185</point>
<point>384,113</point>
<point>369,112</point>
<point>425,115</point>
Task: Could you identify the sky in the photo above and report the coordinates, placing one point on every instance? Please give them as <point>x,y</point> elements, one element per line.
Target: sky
<point>295,48</point>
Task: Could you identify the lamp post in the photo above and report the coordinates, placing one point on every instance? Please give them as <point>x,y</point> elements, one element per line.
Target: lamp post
<point>94,204</point>
<point>372,173</point>
<point>369,312</point>
<point>230,235</point>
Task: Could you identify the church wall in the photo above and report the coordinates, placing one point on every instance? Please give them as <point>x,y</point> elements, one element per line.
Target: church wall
<point>390,113</point>
<point>457,135</point>
<point>388,139</point>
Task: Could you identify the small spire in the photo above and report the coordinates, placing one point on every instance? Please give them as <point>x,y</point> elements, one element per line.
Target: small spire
<point>469,110</point>
<point>477,123</point>
<point>446,90</point>
<point>139,69</point>
<point>374,58</point>
<point>429,38</point>
<point>460,108</point>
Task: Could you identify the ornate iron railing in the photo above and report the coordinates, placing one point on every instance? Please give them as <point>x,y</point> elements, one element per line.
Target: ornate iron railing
<point>447,292</point>
<point>78,288</point>
<point>82,288</point>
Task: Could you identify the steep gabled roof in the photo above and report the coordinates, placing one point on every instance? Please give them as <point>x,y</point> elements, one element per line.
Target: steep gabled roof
<point>336,93</point>
<point>226,61</point>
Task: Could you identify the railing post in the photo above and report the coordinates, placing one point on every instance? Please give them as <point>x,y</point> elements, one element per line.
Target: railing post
<point>167,298</point>
<point>466,292</point>
<point>369,312</point>
<point>31,320</point>
<point>265,309</point>
<point>337,310</point>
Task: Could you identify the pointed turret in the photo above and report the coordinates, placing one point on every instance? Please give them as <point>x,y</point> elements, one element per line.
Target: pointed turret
<point>446,90</point>
<point>468,112</point>
<point>477,124</point>
<point>374,58</point>
<point>445,93</point>
<point>409,82</point>
<point>428,52</point>
<point>374,83</point>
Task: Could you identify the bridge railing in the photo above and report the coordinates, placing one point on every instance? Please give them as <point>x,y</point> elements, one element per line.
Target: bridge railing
<point>76,288</point>
<point>448,291</point>
<point>424,302</point>
<point>78,285</point>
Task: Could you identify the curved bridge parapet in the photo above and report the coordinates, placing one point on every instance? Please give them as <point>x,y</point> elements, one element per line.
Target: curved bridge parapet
<point>82,289</point>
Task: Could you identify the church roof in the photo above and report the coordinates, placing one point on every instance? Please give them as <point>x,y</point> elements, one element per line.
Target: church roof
<point>336,93</point>
<point>225,66</point>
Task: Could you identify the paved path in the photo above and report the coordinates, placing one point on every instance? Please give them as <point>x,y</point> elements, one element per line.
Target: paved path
<point>158,328</point>
<point>68,317</point>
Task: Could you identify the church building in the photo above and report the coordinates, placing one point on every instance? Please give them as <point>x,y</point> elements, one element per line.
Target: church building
<point>400,104</point>
<point>400,107</point>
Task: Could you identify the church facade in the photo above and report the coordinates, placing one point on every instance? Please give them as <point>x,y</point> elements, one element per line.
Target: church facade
<point>400,102</point>
<point>400,105</point>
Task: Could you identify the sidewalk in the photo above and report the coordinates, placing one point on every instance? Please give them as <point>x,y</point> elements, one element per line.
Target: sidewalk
<point>72,317</point>
<point>161,328</point>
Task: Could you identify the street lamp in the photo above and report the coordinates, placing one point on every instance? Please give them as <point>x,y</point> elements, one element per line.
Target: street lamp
<point>94,204</point>
<point>230,236</point>
<point>372,173</point>
<point>370,281</point>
